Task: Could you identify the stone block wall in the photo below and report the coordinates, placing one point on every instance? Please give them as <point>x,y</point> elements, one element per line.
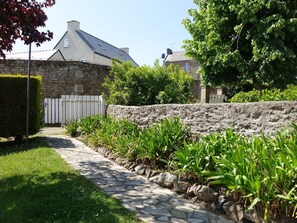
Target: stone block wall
<point>245,118</point>
<point>61,77</point>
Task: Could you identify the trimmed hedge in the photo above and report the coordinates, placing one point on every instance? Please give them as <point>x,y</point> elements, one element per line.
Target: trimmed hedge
<point>13,102</point>
<point>289,94</point>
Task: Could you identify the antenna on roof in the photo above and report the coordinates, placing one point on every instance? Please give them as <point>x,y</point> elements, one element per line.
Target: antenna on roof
<point>169,51</point>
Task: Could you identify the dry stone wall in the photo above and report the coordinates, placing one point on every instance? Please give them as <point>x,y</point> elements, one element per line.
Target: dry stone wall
<point>245,118</point>
<point>61,77</point>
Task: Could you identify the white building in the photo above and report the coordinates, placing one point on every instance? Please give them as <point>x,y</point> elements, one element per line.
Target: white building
<point>78,45</point>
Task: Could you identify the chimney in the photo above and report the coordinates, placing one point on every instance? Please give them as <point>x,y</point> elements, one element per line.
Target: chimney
<point>125,49</point>
<point>72,25</point>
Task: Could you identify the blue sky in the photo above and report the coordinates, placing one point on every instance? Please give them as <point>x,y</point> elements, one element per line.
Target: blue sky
<point>147,27</point>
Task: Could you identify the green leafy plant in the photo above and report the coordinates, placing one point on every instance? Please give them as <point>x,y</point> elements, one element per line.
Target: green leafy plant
<point>89,124</point>
<point>261,169</point>
<point>117,135</point>
<point>199,157</point>
<point>71,128</point>
<point>289,94</point>
<point>159,142</point>
<point>126,139</point>
<point>129,85</point>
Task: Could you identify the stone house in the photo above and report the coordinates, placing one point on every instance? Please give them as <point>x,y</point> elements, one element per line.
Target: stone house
<point>191,66</point>
<point>77,45</point>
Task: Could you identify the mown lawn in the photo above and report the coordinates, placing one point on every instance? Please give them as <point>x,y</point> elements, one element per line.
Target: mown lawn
<point>36,185</point>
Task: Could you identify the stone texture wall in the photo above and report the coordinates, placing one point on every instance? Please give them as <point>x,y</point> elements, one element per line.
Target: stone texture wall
<point>61,77</point>
<point>246,118</point>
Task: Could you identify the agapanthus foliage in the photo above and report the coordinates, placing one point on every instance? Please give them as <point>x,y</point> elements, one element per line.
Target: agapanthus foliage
<point>20,19</point>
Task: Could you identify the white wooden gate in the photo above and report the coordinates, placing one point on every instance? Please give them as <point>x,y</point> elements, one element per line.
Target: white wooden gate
<point>72,107</point>
<point>52,110</point>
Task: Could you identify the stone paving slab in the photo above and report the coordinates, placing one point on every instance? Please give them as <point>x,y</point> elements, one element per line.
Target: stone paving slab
<point>151,202</point>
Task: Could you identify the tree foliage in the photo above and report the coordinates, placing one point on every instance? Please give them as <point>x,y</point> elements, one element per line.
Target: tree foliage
<point>129,85</point>
<point>19,19</point>
<point>240,41</point>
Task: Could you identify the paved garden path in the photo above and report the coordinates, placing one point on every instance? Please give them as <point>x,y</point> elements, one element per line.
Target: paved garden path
<point>151,202</point>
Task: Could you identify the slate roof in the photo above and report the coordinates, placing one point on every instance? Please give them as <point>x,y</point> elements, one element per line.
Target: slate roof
<point>177,56</point>
<point>103,48</point>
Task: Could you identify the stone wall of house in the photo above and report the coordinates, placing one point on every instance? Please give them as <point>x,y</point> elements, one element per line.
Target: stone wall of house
<point>245,118</point>
<point>61,77</point>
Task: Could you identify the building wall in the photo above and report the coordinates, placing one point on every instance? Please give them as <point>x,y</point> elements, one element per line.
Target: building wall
<point>245,118</point>
<point>61,77</point>
<point>57,56</point>
<point>98,59</point>
<point>77,49</point>
<point>193,67</point>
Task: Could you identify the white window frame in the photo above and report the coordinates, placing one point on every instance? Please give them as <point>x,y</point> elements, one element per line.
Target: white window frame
<point>187,67</point>
<point>66,43</point>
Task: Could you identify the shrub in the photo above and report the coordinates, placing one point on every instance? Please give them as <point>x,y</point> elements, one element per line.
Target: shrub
<point>289,94</point>
<point>13,103</point>
<point>129,85</point>
<point>241,97</point>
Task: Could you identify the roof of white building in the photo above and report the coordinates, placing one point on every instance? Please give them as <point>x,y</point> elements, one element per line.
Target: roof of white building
<point>103,48</point>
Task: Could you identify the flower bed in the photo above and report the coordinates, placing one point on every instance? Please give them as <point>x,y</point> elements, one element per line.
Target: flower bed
<point>258,173</point>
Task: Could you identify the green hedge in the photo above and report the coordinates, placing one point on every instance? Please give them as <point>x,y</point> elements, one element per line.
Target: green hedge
<point>13,101</point>
<point>289,94</point>
<point>129,85</point>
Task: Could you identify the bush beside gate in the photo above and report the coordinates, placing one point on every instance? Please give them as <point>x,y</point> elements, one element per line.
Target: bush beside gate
<point>13,103</point>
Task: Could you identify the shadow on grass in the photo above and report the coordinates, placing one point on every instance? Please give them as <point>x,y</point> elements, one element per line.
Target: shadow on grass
<point>9,147</point>
<point>57,197</point>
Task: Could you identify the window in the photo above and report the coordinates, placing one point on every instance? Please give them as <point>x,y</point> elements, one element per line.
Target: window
<point>187,67</point>
<point>66,43</point>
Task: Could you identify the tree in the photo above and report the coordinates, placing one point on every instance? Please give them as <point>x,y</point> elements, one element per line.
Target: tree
<point>19,19</point>
<point>244,41</point>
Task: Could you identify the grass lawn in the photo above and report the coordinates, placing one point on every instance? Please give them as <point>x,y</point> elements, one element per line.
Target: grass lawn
<point>36,185</point>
